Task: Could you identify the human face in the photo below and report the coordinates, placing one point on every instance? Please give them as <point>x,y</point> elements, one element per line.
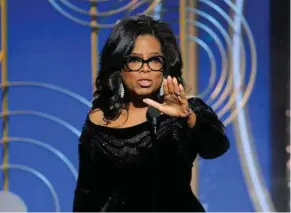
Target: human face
<point>139,78</point>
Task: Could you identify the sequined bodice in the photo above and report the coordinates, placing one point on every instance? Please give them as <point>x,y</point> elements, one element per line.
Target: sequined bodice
<point>128,145</point>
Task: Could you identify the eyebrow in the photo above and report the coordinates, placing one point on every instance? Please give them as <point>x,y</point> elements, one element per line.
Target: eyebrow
<point>139,54</point>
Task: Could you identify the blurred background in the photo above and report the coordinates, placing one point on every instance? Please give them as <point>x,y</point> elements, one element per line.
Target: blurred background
<point>236,55</point>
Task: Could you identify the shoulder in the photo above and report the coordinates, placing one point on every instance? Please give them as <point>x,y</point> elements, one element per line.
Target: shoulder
<point>93,117</point>
<point>96,116</point>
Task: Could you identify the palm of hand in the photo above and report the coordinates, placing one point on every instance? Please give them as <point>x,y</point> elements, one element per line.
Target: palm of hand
<point>175,101</point>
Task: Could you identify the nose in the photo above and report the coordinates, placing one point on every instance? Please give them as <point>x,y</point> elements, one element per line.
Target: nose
<point>145,68</point>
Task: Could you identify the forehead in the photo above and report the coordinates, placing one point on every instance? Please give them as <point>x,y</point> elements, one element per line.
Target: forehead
<point>146,44</point>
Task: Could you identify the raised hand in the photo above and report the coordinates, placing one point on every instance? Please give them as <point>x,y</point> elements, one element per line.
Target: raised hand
<point>175,101</point>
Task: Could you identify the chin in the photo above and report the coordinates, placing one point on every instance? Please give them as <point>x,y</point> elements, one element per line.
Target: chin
<point>144,92</point>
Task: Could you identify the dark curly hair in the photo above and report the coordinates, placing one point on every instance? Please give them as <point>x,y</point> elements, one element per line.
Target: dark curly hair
<point>120,44</point>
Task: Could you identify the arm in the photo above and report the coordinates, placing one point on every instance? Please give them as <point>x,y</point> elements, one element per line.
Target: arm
<point>207,131</point>
<point>83,193</point>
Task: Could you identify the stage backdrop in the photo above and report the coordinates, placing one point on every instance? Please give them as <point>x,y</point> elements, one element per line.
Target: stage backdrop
<point>49,67</point>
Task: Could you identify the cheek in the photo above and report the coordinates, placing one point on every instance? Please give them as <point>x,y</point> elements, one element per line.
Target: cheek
<point>158,78</point>
<point>128,78</point>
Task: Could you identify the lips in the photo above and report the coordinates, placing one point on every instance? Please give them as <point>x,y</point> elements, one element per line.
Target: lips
<point>144,82</point>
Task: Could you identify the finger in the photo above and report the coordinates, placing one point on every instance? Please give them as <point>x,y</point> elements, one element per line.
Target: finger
<point>170,85</point>
<point>176,86</point>
<point>165,86</point>
<point>182,92</point>
<point>153,103</point>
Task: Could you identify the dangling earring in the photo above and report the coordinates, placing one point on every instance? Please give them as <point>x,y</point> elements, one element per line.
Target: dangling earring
<point>162,90</point>
<point>121,90</point>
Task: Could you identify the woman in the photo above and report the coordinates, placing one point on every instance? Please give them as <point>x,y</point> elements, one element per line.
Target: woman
<point>122,167</point>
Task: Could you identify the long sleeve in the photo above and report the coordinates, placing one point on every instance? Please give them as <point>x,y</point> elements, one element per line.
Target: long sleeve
<point>83,192</point>
<point>208,134</point>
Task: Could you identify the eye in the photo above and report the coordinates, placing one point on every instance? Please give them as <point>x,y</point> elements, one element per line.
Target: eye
<point>157,59</point>
<point>133,59</point>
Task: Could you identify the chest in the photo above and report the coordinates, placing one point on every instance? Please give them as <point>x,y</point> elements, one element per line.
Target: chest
<point>137,147</point>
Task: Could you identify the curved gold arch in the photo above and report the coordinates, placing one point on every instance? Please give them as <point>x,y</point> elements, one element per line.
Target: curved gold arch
<point>1,56</point>
<point>189,53</point>
<point>3,63</point>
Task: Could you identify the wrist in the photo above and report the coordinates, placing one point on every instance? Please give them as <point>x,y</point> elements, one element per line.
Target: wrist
<point>187,113</point>
<point>191,118</point>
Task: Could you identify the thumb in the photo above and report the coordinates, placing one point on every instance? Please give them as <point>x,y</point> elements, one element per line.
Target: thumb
<point>153,103</point>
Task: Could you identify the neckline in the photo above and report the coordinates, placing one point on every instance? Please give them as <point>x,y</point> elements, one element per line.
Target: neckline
<point>136,126</point>
<point>116,128</point>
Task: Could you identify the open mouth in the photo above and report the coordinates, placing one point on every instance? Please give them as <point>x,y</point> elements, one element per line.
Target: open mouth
<point>144,82</point>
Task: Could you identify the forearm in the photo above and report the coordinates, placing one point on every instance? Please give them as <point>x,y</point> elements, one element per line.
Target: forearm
<point>207,130</point>
<point>210,138</point>
<point>191,120</point>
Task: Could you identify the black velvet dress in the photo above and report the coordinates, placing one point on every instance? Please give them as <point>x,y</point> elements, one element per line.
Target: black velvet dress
<point>121,170</point>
